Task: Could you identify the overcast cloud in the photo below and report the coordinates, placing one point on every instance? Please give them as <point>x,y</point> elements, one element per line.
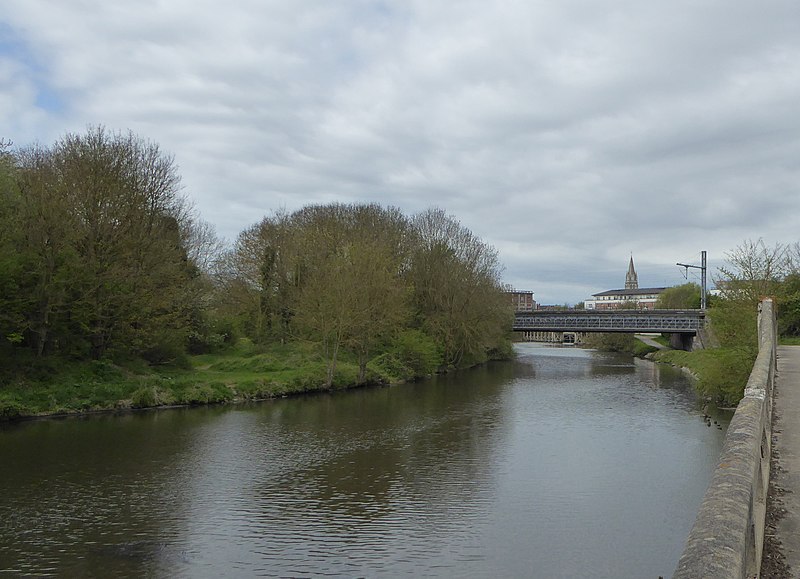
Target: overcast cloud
<point>567,134</point>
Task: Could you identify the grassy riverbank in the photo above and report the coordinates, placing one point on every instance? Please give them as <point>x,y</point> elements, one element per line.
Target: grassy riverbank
<point>245,372</point>
<point>722,373</point>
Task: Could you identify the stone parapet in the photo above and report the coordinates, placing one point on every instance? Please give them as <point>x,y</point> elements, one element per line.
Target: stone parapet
<point>728,535</point>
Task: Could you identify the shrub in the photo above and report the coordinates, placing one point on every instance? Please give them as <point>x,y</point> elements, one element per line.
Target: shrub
<point>611,342</point>
<point>417,352</point>
<point>10,408</point>
<point>722,373</point>
<point>388,368</point>
<point>151,394</point>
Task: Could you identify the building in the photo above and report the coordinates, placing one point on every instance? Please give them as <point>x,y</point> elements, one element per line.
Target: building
<point>522,300</point>
<point>632,297</point>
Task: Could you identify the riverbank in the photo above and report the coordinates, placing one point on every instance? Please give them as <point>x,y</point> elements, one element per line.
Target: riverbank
<point>721,373</point>
<point>244,373</point>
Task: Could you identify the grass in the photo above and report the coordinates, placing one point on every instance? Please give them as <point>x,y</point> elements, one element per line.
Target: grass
<point>245,372</point>
<point>722,373</point>
<point>640,349</point>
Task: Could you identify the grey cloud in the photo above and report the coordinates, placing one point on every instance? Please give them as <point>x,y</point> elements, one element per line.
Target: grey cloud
<point>567,134</point>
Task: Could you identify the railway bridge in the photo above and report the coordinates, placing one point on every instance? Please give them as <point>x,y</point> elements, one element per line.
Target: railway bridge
<point>683,325</point>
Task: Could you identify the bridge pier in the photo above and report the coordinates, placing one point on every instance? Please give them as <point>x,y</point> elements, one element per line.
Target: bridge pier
<point>679,341</point>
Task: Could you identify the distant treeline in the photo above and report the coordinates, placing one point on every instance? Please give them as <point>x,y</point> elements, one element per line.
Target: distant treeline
<point>101,256</point>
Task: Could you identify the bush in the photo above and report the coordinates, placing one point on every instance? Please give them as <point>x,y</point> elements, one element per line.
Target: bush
<point>417,352</point>
<point>212,337</point>
<point>151,394</point>
<point>168,350</point>
<point>734,322</point>
<point>722,373</point>
<point>504,351</point>
<point>611,342</point>
<point>10,408</point>
<point>388,368</point>
<point>212,393</point>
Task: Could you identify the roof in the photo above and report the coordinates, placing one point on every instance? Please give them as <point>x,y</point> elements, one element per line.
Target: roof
<point>631,292</point>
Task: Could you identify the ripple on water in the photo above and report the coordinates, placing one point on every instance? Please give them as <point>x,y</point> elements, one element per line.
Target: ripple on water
<point>471,474</point>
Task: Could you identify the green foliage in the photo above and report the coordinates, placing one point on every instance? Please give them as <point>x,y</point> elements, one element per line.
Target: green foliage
<point>616,342</point>
<point>10,407</point>
<point>212,335</point>
<point>147,396</point>
<point>734,323</point>
<point>457,293</point>
<point>686,296</point>
<point>788,306</point>
<point>640,349</point>
<point>417,352</point>
<point>413,354</point>
<point>101,244</point>
<point>166,347</point>
<point>722,373</point>
<point>108,282</point>
<point>611,342</point>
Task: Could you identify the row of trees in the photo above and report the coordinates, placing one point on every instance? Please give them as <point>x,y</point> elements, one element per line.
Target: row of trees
<point>101,256</point>
<point>94,244</point>
<point>356,276</point>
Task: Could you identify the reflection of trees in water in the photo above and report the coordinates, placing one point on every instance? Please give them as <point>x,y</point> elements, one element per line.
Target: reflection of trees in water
<point>89,495</point>
<point>413,451</point>
<point>382,477</point>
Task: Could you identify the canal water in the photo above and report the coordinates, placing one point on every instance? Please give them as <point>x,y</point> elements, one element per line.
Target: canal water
<point>563,463</point>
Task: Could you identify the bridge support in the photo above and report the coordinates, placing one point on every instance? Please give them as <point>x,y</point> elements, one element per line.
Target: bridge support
<point>679,341</point>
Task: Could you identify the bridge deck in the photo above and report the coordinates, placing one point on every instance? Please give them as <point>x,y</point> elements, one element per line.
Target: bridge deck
<point>671,321</point>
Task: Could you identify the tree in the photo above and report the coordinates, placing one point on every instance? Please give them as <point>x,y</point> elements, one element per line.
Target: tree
<point>457,290</point>
<point>686,296</point>
<point>262,276</point>
<point>12,301</point>
<point>46,246</point>
<point>353,294</point>
<point>755,271</point>
<point>378,258</point>
<point>104,231</point>
<point>125,195</point>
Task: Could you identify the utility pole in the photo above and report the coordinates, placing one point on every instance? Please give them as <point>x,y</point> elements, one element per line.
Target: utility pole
<point>702,268</point>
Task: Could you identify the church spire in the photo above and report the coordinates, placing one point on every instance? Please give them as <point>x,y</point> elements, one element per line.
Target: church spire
<point>631,279</point>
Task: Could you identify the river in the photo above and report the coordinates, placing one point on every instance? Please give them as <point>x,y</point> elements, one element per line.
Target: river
<point>563,463</point>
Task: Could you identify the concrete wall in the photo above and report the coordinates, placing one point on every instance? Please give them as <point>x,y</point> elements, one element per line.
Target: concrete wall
<point>728,535</point>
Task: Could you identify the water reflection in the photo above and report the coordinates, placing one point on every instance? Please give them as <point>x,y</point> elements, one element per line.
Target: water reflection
<point>564,462</point>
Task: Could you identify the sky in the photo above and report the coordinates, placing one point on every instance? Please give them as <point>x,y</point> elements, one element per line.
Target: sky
<point>568,135</point>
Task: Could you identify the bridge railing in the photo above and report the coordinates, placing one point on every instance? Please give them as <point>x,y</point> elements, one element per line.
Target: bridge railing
<point>728,535</point>
<point>612,321</point>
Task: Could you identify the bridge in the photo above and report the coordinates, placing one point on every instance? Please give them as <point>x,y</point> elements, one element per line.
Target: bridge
<point>683,325</point>
<point>628,321</point>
